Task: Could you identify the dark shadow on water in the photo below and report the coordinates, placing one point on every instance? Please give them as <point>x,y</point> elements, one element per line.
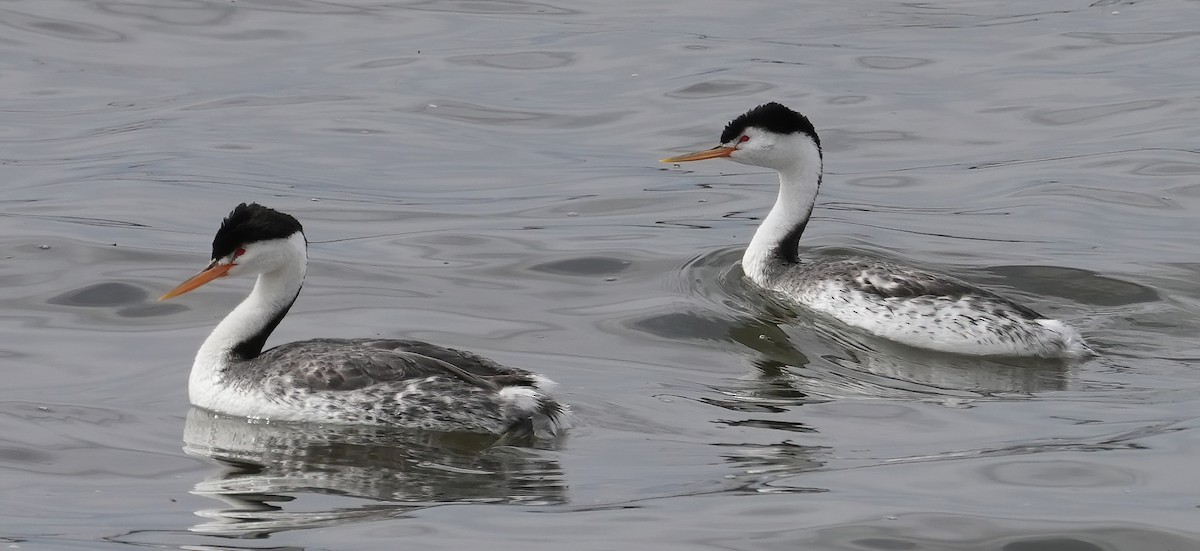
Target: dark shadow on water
<point>101,295</point>
<point>1081,286</point>
<point>584,266</point>
<point>130,301</point>
<point>275,477</point>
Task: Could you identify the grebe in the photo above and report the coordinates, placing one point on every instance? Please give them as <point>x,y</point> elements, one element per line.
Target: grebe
<point>911,306</point>
<point>403,383</point>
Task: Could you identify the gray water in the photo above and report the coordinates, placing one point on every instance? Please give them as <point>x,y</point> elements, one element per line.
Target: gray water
<point>482,174</point>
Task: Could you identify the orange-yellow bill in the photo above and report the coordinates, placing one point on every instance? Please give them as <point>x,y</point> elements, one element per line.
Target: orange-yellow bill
<point>716,152</point>
<point>213,271</point>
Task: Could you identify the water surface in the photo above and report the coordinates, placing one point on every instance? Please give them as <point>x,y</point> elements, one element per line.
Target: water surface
<point>482,175</point>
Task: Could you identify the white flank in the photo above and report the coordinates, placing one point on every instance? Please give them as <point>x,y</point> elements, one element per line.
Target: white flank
<point>523,398</point>
<point>541,382</point>
<point>1073,344</point>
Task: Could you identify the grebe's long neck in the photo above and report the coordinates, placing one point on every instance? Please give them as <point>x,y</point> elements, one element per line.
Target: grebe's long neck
<point>242,334</point>
<point>776,243</point>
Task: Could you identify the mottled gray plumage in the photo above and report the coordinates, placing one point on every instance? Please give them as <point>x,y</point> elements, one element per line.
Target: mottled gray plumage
<point>394,382</point>
<point>913,306</point>
<point>889,281</point>
<point>353,364</point>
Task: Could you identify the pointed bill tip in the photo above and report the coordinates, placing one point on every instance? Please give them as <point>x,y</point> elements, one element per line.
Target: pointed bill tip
<point>714,153</point>
<point>213,271</point>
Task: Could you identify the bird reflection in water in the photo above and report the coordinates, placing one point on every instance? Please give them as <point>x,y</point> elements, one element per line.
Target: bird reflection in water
<point>858,366</point>
<point>275,477</point>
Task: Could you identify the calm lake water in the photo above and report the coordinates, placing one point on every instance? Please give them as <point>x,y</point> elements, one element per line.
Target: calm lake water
<point>483,174</point>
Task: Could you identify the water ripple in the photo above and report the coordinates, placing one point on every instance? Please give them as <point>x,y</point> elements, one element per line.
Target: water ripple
<point>892,62</point>
<point>59,28</point>
<point>184,12</point>
<point>1124,39</point>
<point>494,7</point>
<point>495,116</point>
<point>1093,113</point>
<point>719,88</point>
<point>523,61</point>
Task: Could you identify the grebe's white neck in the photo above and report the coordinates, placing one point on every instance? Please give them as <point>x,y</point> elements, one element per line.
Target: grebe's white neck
<point>776,242</point>
<point>242,334</point>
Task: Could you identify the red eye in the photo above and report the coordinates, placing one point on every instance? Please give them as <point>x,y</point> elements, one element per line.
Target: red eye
<point>744,139</point>
<point>239,252</point>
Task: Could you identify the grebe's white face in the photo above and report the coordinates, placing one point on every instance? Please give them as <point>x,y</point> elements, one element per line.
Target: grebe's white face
<point>259,257</point>
<point>758,147</point>
<point>262,256</point>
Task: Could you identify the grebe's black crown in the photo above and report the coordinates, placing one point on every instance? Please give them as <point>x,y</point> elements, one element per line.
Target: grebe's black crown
<point>249,224</point>
<point>771,117</point>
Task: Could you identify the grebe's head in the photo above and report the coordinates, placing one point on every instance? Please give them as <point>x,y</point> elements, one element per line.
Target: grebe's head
<point>770,136</point>
<point>253,239</point>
